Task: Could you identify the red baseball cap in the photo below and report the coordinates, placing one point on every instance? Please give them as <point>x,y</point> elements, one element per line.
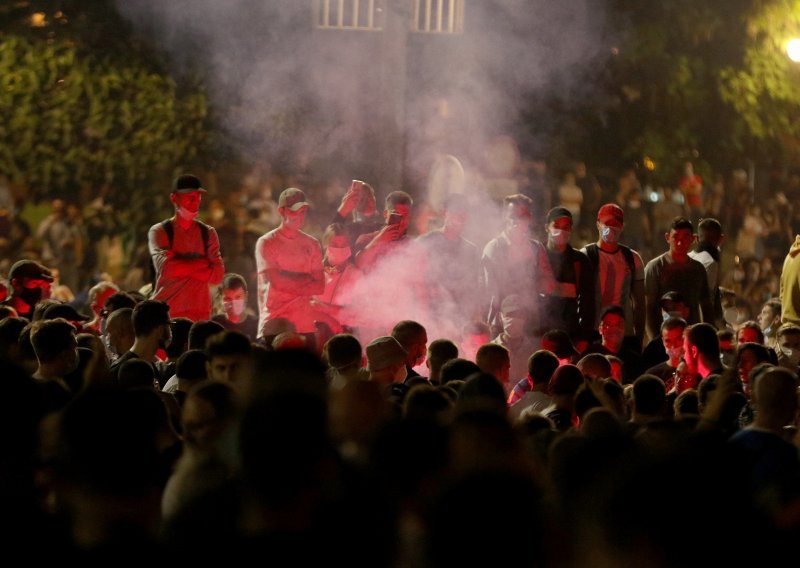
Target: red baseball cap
<point>611,212</point>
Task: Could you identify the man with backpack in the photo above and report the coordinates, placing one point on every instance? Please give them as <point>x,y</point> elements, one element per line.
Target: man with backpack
<point>620,274</point>
<point>186,254</point>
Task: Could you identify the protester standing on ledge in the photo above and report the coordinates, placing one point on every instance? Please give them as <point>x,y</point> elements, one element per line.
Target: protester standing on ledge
<point>185,254</point>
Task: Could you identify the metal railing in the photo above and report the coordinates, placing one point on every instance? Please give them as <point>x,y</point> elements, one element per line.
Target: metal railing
<point>438,16</point>
<point>349,14</point>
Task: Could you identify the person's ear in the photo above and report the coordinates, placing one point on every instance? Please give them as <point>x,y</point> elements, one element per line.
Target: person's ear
<point>666,237</point>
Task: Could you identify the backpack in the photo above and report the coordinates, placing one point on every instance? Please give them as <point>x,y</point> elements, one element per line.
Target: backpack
<point>170,231</point>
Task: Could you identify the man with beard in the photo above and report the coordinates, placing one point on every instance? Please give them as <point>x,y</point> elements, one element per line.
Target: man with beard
<point>30,284</point>
<point>151,326</point>
<point>186,254</point>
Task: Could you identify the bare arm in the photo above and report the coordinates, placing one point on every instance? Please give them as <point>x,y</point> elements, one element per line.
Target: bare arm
<point>367,257</point>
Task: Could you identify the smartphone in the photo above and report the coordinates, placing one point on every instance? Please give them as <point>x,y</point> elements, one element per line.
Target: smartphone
<point>395,218</point>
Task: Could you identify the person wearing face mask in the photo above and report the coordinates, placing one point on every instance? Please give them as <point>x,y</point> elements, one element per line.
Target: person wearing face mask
<point>571,306</point>
<point>337,301</point>
<point>235,315</point>
<point>413,338</point>
<point>515,264</point>
<point>769,320</point>
<point>186,254</point>
<point>152,332</point>
<point>672,340</point>
<point>612,332</point>
<point>619,271</point>
<point>788,349</point>
<point>30,284</point>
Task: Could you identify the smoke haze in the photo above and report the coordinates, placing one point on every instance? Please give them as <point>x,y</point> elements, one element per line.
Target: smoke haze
<point>373,104</point>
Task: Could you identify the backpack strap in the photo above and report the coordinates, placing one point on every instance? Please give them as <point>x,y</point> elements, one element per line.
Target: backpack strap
<point>170,231</point>
<point>628,254</point>
<point>594,255</point>
<point>593,252</point>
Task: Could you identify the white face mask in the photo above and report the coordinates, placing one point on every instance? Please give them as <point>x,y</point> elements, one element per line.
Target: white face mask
<point>187,214</point>
<point>792,354</point>
<point>337,255</point>
<point>610,235</point>
<point>235,306</point>
<point>559,237</point>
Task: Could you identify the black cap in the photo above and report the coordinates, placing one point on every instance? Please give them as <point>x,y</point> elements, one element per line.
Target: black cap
<point>187,183</point>
<point>29,269</point>
<point>64,311</point>
<point>558,213</point>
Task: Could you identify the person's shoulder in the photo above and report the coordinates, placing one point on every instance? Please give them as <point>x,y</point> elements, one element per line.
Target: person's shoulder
<point>578,254</point>
<point>158,226</point>
<point>307,238</point>
<point>636,257</point>
<point>656,262</point>
<point>267,237</point>
<point>495,244</point>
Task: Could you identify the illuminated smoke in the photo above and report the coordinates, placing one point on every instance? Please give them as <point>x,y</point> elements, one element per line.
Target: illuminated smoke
<point>283,91</point>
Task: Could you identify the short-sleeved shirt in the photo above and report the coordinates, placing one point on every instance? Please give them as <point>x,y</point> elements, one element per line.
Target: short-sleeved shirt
<point>689,279</point>
<point>187,297</point>
<point>301,254</point>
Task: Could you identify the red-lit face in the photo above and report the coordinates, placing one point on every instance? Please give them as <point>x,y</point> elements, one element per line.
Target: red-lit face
<point>189,201</point>
<point>672,338</point>
<point>690,355</point>
<point>403,212</point>
<point>518,218</point>
<point>293,219</point>
<point>37,283</point>
<point>747,335</point>
<point>680,241</point>
<point>747,360</point>
<point>100,300</point>
<point>612,328</point>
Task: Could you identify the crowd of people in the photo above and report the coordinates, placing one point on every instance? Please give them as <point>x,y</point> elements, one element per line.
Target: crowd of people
<point>568,380</point>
